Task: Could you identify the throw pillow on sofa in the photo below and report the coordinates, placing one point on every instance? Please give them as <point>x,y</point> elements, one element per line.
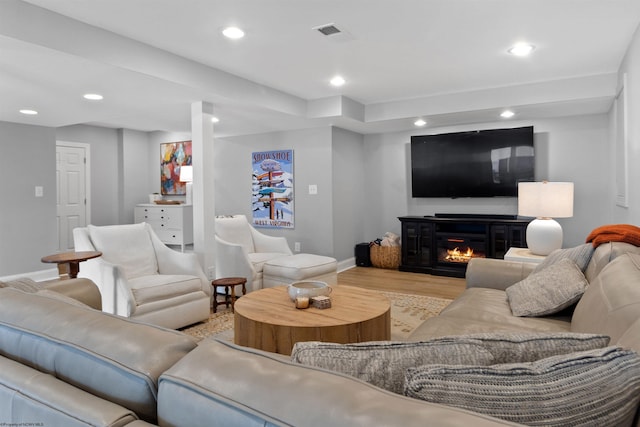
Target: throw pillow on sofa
<point>520,347</point>
<point>581,255</point>
<point>384,363</point>
<point>549,291</point>
<point>598,387</point>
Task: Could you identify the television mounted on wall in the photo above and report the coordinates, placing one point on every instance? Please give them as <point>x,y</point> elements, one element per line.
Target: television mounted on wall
<point>484,163</point>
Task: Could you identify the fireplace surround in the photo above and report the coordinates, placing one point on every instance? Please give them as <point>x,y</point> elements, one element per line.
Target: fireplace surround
<point>443,244</point>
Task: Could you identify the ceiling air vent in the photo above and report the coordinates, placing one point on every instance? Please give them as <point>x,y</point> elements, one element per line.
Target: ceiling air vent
<point>328,29</point>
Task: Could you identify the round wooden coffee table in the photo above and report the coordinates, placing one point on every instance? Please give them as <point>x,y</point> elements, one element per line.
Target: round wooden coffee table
<point>268,320</point>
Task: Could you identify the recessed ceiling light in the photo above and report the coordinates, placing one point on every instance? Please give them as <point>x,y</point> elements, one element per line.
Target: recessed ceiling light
<point>521,49</point>
<point>419,123</point>
<point>233,33</point>
<point>93,96</point>
<point>214,119</point>
<point>507,114</point>
<point>29,112</point>
<point>337,81</point>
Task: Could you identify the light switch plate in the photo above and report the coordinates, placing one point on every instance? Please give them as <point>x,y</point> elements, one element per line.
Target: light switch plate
<point>313,189</point>
<point>39,191</point>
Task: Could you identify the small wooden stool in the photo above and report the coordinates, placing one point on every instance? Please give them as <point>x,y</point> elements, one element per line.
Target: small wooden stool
<point>227,282</point>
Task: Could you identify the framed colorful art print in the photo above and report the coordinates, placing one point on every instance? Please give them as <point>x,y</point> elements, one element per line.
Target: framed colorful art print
<point>272,189</point>
<point>173,155</point>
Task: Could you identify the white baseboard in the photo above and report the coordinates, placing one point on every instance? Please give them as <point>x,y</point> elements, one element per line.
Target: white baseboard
<point>38,276</point>
<point>346,264</point>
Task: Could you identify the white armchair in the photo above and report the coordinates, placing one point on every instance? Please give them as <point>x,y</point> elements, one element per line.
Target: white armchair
<point>242,251</point>
<point>140,277</point>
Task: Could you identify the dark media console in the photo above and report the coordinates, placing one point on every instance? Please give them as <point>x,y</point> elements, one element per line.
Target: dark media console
<point>443,244</point>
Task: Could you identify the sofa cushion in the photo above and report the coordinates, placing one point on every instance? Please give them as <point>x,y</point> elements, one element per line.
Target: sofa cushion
<point>611,304</point>
<point>163,286</point>
<point>299,266</point>
<point>228,385</point>
<point>85,348</point>
<point>128,246</point>
<point>581,255</point>
<point>39,399</point>
<point>384,363</point>
<point>520,347</point>
<point>259,259</point>
<point>57,295</point>
<point>597,387</point>
<point>549,291</point>
<point>604,254</point>
<point>24,284</point>
<point>479,310</point>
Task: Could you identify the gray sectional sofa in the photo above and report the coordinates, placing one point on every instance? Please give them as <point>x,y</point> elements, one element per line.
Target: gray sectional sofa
<point>63,363</point>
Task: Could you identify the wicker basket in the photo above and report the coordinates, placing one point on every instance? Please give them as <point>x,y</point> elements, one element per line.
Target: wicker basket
<point>385,256</point>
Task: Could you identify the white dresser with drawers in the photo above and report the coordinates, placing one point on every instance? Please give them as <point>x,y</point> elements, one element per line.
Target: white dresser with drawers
<point>172,223</point>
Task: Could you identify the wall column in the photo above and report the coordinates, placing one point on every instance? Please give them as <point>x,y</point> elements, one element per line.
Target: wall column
<point>203,185</point>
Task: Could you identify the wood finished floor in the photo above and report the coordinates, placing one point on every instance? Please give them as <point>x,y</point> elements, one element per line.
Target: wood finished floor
<point>403,282</point>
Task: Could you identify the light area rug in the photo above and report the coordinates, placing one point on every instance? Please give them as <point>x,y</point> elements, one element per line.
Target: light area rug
<point>407,313</point>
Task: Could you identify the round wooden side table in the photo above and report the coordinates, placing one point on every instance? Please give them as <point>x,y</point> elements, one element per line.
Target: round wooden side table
<point>69,262</point>
<point>227,283</point>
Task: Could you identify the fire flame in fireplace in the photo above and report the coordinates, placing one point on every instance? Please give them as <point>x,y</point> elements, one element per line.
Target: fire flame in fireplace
<point>455,255</point>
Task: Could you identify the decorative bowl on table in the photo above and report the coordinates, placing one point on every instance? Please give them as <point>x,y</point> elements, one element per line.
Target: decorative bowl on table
<point>308,289</point>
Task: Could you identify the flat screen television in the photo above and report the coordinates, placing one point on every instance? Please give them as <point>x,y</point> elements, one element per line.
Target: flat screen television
<point>485,163</point>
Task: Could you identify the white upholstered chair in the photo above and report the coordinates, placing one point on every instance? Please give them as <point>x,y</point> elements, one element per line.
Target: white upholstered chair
<point>140,277</point>
<point>242,251</point>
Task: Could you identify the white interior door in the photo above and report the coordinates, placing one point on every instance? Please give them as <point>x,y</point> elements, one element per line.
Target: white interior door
<point>72,185</point>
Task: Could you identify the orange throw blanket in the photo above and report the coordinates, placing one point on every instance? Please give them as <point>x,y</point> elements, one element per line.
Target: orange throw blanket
<point>615,233</point>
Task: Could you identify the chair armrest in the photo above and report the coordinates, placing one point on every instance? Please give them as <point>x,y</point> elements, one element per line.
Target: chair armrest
<point>81,289</point>
<point>174,262</point>
<point>496,273</point>
<point>231,260</point>
<point>117,297</point>
<point>81,240</point>
<point>266,243</point>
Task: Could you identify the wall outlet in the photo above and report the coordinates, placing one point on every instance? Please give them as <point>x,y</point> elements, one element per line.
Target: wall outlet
<point>39,191</point>
<point>211,271</point>
<point>296,247</point>
<point>313,189</point>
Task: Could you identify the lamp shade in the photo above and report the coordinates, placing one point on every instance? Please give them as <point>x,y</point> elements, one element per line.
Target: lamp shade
<point>545,199</point>
<point>186,173</point>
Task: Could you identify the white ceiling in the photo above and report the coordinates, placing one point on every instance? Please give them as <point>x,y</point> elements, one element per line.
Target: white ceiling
<point>444,60</point>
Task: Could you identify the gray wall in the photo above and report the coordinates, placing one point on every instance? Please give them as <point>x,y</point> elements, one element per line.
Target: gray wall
<point>27,223</point>
<point>631,67</point>
<point>363,182</point>
<point>133,149</point>
<point>105,169</point>
<point>568,149</point>
<point>349,178</point>
<point>312,165</point>
<point>579,149</point>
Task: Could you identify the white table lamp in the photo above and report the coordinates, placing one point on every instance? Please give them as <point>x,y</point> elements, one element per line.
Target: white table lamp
<point>186,175</point>
<point>545,201</point>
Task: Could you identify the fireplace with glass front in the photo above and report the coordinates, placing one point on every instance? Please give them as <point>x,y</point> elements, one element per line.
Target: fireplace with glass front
<point>457,243</point>
<point>444,244</point>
